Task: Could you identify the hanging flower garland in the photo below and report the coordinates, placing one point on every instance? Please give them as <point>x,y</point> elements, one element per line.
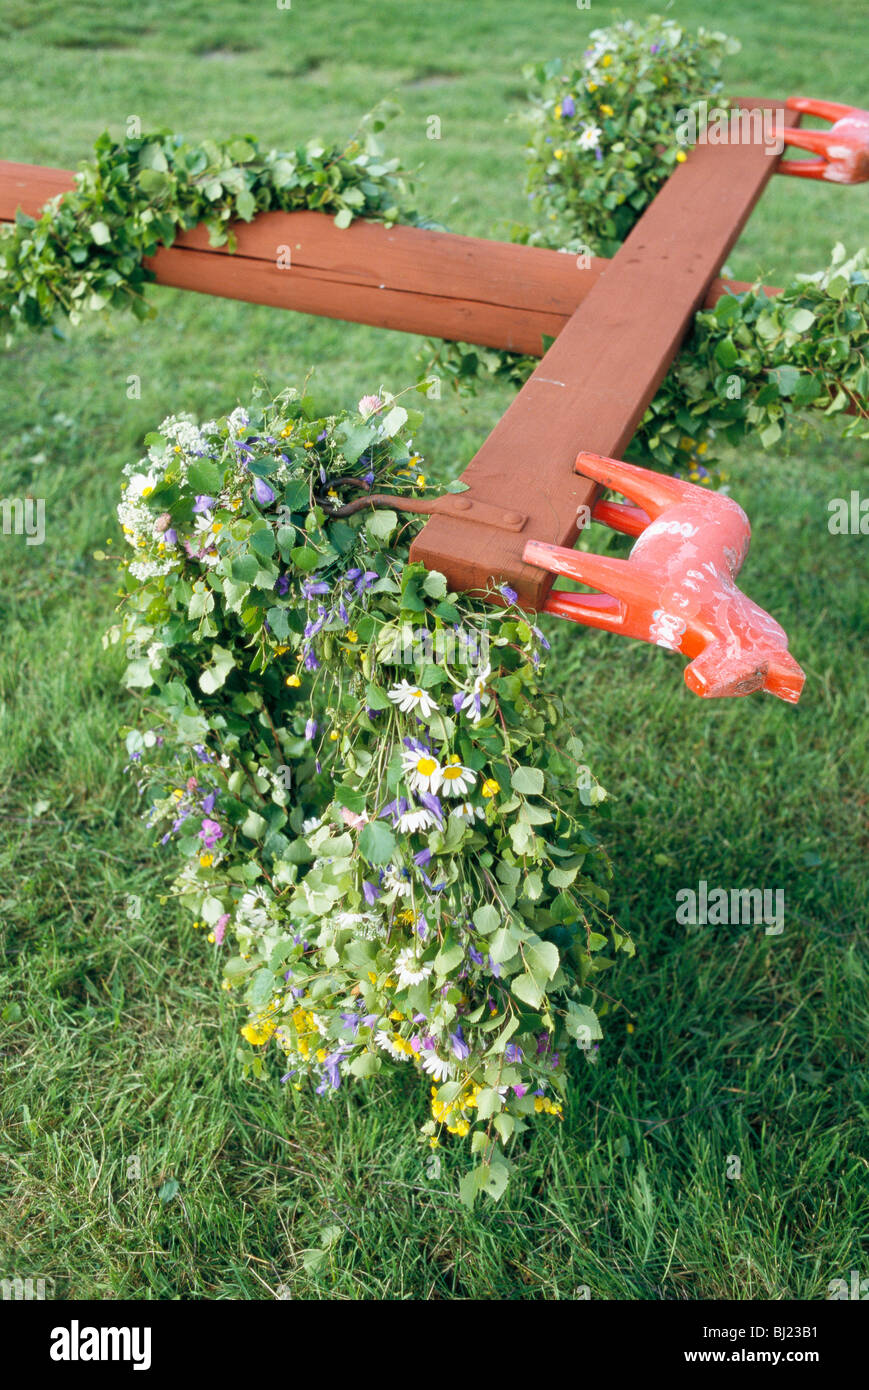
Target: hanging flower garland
<point>370,788</point>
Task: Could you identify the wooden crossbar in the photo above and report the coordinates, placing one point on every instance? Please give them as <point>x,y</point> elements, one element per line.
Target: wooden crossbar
<point>466,289</point>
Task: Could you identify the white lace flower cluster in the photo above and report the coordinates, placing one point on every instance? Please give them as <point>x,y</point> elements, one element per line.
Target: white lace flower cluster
<point>190,438</point>
<point>367,926</point>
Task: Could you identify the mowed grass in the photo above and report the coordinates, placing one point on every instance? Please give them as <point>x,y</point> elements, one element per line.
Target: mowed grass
<point>134,1160</point>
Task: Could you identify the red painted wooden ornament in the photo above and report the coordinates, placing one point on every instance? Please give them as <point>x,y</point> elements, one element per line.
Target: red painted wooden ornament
<point>843,149</point>
<point>677,587</point>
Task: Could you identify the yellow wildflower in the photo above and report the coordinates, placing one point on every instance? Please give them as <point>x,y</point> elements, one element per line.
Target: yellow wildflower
<point>293,680</point>
<point>543,1105</point>
<point>490,787</point>
<point>258,1031</point>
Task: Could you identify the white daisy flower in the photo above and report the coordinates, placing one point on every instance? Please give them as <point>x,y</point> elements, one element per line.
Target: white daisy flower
<point>412,699</point>
<point>140,485</point>
<point>421,769</point>
<point>466,811</point>
<point>437,1067</point>
<point>384,1041</point>
<point>590,137</point>
<point>455,778</point>
<point>410,969</point>
<point>415,820</point>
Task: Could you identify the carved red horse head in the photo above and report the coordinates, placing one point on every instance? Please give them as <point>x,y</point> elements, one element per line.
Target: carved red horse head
<point>843,149</point>
<point>677,587</point>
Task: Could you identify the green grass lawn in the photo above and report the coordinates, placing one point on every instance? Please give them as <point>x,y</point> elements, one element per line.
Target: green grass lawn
<point>134,1160</point>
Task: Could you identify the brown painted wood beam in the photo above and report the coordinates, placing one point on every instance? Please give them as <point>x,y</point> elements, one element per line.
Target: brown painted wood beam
<point>466,289</point>
<point>595,382</point>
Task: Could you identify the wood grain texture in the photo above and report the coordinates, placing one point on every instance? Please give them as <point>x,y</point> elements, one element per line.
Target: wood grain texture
<point>466,289</point>
<point>311,290</point>
<point>591,389</point>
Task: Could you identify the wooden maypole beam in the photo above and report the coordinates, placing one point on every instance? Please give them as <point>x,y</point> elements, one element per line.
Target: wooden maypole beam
<point>466,289</point>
